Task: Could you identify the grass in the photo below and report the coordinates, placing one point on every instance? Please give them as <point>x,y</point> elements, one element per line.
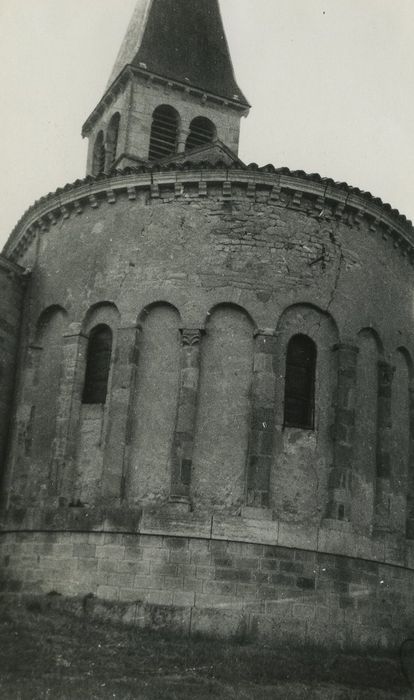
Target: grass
<point>48,652</point>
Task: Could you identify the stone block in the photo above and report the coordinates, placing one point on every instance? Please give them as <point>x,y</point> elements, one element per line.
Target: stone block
<point>298,535</point>
<point>128,595</point>
<point>160,597</point>
<point>174,583</point>
<point>242,575</point>
<point>108,551</point>
<point>184,598</point>
<point>218,623</point>
<point>108,592</point>
<point>108,566</point>
<point>180,557</point>
<point>220,588</point>
<point>239,529</point>
<point>149,554</point>
<point>193,584</point>
<point>84,550</point>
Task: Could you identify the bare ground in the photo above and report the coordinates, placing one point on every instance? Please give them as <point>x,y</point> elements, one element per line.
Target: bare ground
<point>47,652</point>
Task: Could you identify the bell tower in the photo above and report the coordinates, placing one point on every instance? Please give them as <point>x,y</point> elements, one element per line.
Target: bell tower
<point>172,90</point>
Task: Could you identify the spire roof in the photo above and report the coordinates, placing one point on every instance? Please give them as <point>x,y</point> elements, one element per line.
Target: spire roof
<point>182,40</point>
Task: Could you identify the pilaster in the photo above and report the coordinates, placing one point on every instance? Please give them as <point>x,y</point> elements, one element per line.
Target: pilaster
<point>182,451</point>
<point>262,425</point>
<point>340,478</point>
<point>410,476</point>
<point>64,476</point>
<point>119,430</point>
<point>382,502</point>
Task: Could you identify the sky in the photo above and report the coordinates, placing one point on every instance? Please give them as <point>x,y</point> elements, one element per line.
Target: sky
<point>330,83</point>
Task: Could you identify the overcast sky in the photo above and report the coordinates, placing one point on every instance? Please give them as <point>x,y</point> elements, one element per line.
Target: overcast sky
<point>331,83</point>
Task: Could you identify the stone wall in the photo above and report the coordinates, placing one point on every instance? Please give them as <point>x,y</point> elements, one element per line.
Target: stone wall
<point>203,278</point>
<point>136,101</point>
<point>11,301</point>
<point>222,588</point>
<point>240,267</point>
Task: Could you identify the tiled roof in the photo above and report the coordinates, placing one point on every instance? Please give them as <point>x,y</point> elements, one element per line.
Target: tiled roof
<point>183,41</point>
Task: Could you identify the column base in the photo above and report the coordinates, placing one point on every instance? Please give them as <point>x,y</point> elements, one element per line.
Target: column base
<point>335,524</point>
<point>382,533</point>
<point>252,513</point>
<point>179,504</point>
<point>410,529</point>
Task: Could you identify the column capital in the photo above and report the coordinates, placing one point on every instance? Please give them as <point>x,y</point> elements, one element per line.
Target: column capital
<point>346,347</point>
<point>386,371</point>
<point>73,336</point>
<point>191,336</point>
<point>268,332</point>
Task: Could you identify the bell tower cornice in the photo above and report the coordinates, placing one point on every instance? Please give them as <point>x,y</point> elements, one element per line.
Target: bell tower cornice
<point>141,74</point>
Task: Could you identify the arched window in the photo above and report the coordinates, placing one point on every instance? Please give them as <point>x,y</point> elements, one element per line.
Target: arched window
<point>98,362</point>
<point>202,131</point>
<point>112,140</point>
<point>98,162</point>
<point>164,132</point>
<point>300,383</point>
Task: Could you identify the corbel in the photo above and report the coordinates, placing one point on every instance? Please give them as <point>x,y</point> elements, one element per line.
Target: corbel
<point>227,189</point>
<point>77,206</point>
<point>251,189</point>
<point>155,191</point>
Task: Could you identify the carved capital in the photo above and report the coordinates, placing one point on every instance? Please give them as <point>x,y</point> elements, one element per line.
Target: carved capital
<point>191,337</point>
<point>267,332</point>
<point>346,348</point>
<point>385,372</point>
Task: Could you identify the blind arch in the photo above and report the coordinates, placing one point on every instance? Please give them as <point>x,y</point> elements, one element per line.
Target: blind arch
<point>99,155</point>
<point>112,139</point>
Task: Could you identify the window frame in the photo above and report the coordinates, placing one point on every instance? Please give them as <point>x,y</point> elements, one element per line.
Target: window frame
<point>92,386</point>
<point>307,394</point>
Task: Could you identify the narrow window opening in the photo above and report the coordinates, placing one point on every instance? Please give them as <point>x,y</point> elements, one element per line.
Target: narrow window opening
<point>112,139</point>
<point>164,133</point>
<point>202,131</point>
<point>98,363</point>
<point>98,164</point>
<point>299,406</point>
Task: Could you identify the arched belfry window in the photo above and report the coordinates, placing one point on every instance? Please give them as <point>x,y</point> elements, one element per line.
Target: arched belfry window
<point>98,362</point>
<point>112,139</point>
<point>98,162</point>
<point>202,131</point>
<point>299,407</point>
<point>164,132</point>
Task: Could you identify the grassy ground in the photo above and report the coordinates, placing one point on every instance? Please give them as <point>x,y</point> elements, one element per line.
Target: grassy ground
<point>49,653</point>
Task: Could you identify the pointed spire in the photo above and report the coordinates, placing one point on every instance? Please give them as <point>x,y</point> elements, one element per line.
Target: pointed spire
<point>182,40</point>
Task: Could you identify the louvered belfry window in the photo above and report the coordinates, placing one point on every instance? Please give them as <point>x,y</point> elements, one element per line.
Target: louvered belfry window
<point>299,406</point>
<point>98,362</point>
<point>98,164</point>
<point>202,131</point>
<point>164,133</point>
<point>112,139</point>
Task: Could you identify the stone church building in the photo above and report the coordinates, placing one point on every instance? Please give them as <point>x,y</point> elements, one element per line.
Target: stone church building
<point>206,367</point>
